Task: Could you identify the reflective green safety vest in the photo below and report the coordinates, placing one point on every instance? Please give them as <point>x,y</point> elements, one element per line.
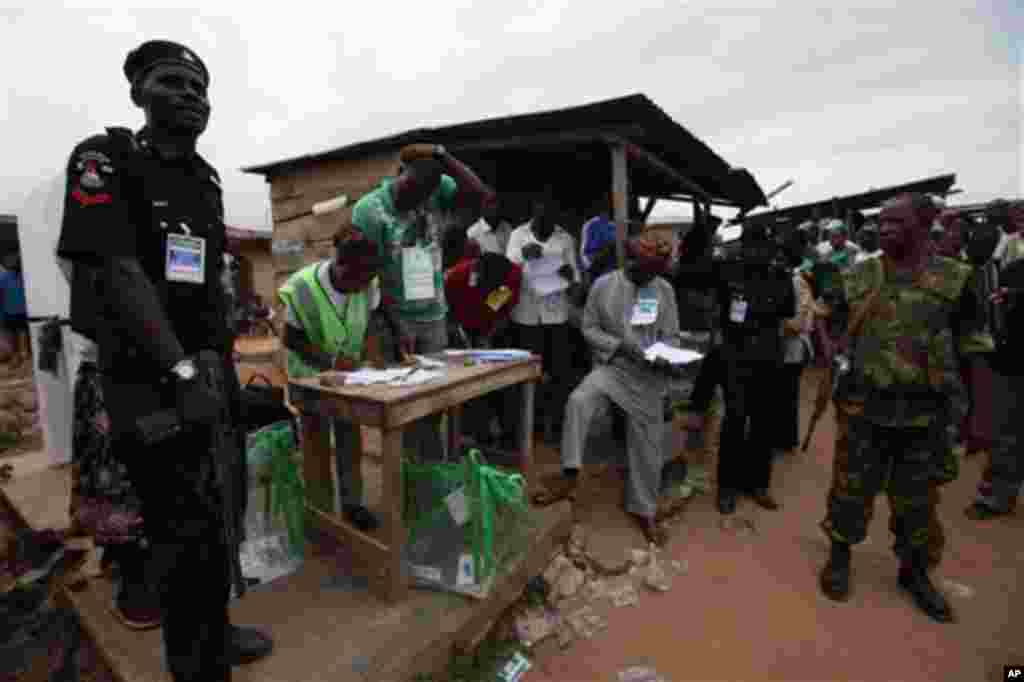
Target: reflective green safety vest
<point>337,332</point>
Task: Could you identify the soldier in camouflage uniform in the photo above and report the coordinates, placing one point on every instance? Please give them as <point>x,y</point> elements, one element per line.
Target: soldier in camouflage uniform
<point>906,309</point>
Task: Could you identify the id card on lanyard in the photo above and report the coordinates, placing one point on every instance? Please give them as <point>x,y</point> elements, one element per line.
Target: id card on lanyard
<point>185,259</point>
<point>645,308</point>
<point>418,274</point>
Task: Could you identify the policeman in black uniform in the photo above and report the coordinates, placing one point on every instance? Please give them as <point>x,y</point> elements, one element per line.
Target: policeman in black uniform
<point>145,212</point>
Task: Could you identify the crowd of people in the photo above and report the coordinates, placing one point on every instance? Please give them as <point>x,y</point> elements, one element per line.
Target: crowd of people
<point>904,316</point>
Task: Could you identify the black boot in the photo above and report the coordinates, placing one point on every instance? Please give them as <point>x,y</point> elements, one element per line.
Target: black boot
<point>247,645</point>
<point>914,579</point>
<point>835,576</point>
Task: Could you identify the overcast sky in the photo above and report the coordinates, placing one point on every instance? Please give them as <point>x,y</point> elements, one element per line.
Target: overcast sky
<point>838,99</point>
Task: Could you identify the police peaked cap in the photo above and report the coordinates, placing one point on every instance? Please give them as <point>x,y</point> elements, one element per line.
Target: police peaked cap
<point>155,52</point>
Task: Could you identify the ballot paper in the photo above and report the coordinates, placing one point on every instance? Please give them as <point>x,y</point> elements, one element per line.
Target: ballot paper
<point>676,356</point>
<point>402,376</point>
<point>429,363</point>
<point>542,275</point>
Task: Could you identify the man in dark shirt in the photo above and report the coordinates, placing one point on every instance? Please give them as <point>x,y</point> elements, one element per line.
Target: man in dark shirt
<point>145,212</point>
<point>753,295</point>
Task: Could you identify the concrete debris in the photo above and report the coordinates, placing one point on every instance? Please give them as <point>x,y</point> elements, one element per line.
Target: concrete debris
<point>639,557</point>
<point>624,595</point>
<point>565,635</point>
<point>640,674</point>
<point>569,582</point>
<point>657,579</point>
<point>555,569</point>
<point>680,567</point>
<point>958,589</point>
<point>586,623</point>
<point>577,546</point>
<point>595,590</point>
<point>535,625</point>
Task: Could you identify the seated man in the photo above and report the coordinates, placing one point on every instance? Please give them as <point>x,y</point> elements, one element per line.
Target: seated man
<point>627,311</point>
<point>328,313</point>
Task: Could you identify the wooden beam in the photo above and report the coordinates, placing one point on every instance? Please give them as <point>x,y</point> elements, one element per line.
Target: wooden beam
<point>620,198</point>
<point>545,140</point>
<point>637,152</point>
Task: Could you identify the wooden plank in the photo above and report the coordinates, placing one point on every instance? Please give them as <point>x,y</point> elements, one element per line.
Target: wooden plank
<point>293,229</point>
<point>559,139</point>
<point>635,152</point>
<point>554,526</point>
<point>319,633</point>
<point>526,436</point>
<point>302,204</point>
<point>311,398</point>
<point>282,187</point>
<point>620,199</point>
<point>316,460</point>
<point>392,496</point>
<point>458,392</point>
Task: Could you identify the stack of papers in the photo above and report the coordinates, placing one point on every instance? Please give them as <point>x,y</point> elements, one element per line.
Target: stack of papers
<point>392,377</point>
<point>542,275</point>
<point>676,356</point>
<point>491,355</point>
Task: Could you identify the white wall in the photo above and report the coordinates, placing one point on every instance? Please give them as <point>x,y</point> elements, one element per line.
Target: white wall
<point>47,293</point>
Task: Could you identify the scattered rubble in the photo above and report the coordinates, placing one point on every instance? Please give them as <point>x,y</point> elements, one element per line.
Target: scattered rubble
<point>640,674</point>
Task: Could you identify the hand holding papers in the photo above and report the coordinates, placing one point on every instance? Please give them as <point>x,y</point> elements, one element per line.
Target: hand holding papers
<point>674,356</point>
<point>542,274</point>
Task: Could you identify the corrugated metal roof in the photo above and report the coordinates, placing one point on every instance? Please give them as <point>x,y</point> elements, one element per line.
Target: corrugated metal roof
<point>939,184</point>
<point>635,118</point>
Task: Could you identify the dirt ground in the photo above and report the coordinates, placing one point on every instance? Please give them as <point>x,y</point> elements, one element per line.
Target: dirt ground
<point>748,607</point>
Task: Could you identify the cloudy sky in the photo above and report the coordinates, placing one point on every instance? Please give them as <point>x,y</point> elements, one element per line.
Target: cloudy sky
<point>839,98</point>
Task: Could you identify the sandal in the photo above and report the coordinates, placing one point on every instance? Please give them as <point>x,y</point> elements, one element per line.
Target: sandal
<point>555,489</point>
<point>653,531</point>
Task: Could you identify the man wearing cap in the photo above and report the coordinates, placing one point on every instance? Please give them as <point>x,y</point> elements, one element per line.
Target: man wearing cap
<point>838,249</point>
<point>627,311</point>
<point>144,210</point>
<point>403,218</point>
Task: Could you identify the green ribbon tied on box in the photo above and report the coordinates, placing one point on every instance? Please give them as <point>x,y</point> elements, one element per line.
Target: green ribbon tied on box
<point>495,489</point>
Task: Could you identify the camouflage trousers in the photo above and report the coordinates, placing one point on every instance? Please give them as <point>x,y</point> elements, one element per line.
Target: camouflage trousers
<point>870,459</point>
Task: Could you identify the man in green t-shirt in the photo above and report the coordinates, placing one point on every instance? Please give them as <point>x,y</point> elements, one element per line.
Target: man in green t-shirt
<point>406,217</point>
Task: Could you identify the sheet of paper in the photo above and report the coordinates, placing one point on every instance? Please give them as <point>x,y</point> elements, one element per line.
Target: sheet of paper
<point>429,363</point>
<point>542,275</point>
<point>676,356</point>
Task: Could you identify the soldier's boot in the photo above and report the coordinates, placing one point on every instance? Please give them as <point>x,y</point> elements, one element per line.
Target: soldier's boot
<point>835,576</point>
<point>914,579</point>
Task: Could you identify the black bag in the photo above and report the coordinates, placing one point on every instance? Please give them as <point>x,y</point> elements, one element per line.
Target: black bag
<point>261,405</point>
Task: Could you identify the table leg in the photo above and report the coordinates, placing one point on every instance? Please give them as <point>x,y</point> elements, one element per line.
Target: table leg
<point>454,432</point>
<point>316,463</point>
<point>392,497</point>
<point>526,442</point>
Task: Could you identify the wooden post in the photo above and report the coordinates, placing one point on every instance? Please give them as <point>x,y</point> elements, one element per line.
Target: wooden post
<point>620,199</point>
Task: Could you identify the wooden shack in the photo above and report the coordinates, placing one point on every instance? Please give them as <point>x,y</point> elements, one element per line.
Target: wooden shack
<point>252,249</point>
<point>626,147</point>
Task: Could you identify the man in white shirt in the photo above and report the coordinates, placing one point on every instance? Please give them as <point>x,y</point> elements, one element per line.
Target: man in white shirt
<point>540,320</point>
<point>492,231</point>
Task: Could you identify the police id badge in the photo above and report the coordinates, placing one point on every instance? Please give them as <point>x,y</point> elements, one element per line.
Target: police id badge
<point>186,259</point>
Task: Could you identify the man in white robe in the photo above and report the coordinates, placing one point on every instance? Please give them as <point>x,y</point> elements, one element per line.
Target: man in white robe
<point>627,311</point>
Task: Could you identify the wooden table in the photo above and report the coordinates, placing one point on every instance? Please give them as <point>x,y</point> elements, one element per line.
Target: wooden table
<point>391,409</point>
